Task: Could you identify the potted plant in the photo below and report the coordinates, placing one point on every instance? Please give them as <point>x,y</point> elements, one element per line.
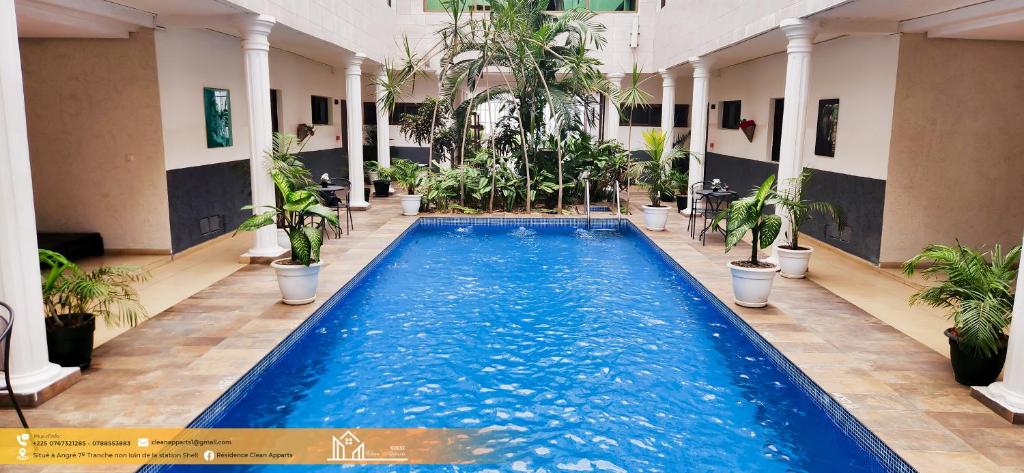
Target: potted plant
<point>380,177</point>
<point>73,298</point>
<point>681,183</point>
<point>408,174</point>
<point>298,275</point>
<point>752,278</point>
<point>654,176</point>
<point>793,258</point>
<point>976,288</point>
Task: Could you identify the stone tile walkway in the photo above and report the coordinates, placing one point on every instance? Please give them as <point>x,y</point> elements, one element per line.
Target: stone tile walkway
<point>169,369</point>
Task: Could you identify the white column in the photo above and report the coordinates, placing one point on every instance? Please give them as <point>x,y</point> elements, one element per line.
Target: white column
<point>256,49</point>
<point>611,114</point>
<point>668,107</point>
<point>698,121</point>
<point>354,100</point>
<point>31,370</point>
<point>1007,396</point>
<point>383,126</point>
<point>794,116</point>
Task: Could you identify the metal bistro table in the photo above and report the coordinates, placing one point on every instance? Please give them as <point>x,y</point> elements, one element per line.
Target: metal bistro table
<point>715,202</point>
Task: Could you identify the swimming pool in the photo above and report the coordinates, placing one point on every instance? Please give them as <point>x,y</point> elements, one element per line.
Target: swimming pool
<point>590,350</point>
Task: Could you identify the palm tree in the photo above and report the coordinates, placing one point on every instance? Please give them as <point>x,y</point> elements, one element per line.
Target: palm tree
<point>626,100</point>
<point>801,210</point>
<point>976,290</point>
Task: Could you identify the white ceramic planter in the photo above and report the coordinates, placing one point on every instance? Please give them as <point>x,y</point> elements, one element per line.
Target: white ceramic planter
<point>655,218</point>
<point>410,204</point>
<point>793,263</point>
<point>282,239</point>
<point>298,283</point>
<point>751,286</point>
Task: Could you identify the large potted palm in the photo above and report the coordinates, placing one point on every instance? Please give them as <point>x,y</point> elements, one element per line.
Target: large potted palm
<point>793,258</point>
<point>298,275</point>
<point>976,288</point>
<point>409,175</point>
<point>74,298</point>
<point>752,278</point>
<point>654,176</point>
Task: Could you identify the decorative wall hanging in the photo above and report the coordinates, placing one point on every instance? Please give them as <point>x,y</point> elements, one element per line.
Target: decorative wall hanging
<point>217,105</point>
<point>828,128</point>
<point>748,126</point>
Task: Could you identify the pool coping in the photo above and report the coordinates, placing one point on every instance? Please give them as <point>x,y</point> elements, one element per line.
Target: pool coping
<point>844,420</point>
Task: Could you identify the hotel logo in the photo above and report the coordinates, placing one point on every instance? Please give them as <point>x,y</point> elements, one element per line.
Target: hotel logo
<point>348,447</point>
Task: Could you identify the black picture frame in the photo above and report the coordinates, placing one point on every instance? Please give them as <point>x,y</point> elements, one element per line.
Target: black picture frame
<point>827,128</point>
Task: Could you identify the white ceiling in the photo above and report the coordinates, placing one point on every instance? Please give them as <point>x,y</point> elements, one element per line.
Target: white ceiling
<point>964,19</point>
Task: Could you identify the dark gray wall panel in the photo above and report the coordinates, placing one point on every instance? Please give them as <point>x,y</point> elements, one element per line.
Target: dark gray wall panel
<point>415,154</point>
<point>863,199</point>
<point>199,192</point>
<point>333,161</point>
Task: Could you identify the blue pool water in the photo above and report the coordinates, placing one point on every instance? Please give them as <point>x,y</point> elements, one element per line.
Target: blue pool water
<point>586,349</point>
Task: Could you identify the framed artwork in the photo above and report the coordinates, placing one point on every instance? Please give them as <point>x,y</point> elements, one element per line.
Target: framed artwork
<point>828,128</point>
<point>217,105</point>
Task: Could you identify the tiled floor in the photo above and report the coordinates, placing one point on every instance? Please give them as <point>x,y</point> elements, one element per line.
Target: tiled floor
<point>174,280</point>
<point>166,371</point>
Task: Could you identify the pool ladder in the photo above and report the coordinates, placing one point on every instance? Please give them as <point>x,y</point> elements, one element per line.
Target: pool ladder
<point>586,197</point>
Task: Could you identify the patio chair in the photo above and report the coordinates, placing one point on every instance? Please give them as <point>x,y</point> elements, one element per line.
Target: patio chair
<point>696,205</point>
<point>340,201</point>
<point>7,321</point>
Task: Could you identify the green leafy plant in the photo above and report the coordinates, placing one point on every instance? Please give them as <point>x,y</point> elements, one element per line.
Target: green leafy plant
<point>406,173</point>
<point>106,292</point>
<point>680,181</point>
<point>801,210</point>
<point>374,168</point>
<point>748,215</point>
<point>976,290</point>
<point>654,174</point>
<point>301,203</point>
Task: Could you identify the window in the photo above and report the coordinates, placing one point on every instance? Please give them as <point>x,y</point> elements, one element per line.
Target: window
<point>612,5</point>
<point>682,116</point>
<point>731,114</point>
<point>321,107</point>
<point>642,116</point>
<point>402,108</point>
<point>562,5</point>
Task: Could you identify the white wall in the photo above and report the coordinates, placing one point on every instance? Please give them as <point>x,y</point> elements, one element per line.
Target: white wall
<point>688,28</point>
<point>651,84</point>
<point>860,71</point>
<point>617,56</point>
<point>183,72</point>
<point>297,79</point>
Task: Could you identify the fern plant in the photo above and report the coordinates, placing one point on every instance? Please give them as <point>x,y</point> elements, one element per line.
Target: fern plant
<point>301,201</point>
<point>748,215</point>
<point>976,290</point>
<point>106,292</point>
<point>801,210</point>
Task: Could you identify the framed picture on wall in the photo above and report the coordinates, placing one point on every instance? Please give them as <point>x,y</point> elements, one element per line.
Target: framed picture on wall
<point>828,127</point>
<point>217,105</point>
